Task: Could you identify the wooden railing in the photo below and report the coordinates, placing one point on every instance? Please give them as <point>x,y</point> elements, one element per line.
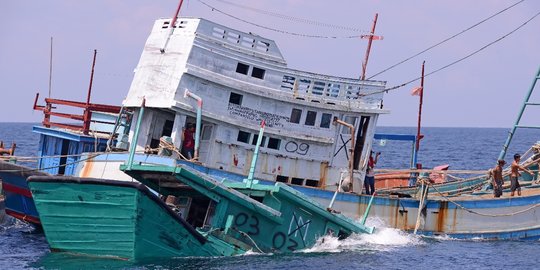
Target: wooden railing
<point>85,117</point>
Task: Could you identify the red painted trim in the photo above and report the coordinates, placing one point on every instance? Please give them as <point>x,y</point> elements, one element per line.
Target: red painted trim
<point>16,189</point>
<point>23,217</point>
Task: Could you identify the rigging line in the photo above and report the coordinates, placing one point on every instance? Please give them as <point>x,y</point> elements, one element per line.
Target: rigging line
<point>274,29</point>
<point>445,40</point>
<point>456,61</point>
<point>295,19</point>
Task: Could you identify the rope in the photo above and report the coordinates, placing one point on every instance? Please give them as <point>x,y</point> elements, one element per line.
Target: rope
<point>423,196</point>
<point>296,19</point>
<point>482,214</point>
<point>456,61</point>
<point>169,146</point>
<point>251,239</point>
<point>274,29</point>
<point>445,40</point>
<point>90,156</point>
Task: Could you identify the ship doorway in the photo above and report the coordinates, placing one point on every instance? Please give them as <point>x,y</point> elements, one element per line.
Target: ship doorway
<point>360,140</point>
<point>63,157</point>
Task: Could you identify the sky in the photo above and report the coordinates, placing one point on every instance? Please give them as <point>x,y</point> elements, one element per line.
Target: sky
<point>484,90</point>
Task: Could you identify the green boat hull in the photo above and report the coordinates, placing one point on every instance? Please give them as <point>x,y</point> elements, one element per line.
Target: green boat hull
<point>116,219</point>
<point>126,220</point>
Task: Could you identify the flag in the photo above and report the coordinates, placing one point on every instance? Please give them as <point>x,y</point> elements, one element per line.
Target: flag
<point>416,91</point>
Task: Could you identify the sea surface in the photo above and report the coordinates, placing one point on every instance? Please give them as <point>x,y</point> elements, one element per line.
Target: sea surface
<point>461,148</point>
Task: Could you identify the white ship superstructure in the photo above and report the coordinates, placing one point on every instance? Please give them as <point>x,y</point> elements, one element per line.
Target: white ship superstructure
<point>242,79</point>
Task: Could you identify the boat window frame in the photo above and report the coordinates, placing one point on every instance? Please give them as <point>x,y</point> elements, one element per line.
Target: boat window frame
<point>235,98</point>
<point>294,118</point>
<point>242,68</point>
<point>311,117</point>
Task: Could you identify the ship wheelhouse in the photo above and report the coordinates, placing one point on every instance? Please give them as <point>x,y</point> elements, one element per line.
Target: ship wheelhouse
<point>241,79</point>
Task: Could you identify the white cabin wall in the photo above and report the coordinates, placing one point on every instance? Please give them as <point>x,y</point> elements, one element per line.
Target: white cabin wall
<point>157,74</point>
<point>144,130</point>
<point>205,63</point>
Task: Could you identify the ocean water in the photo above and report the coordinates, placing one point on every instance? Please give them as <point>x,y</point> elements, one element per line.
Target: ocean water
<point>462,148</point>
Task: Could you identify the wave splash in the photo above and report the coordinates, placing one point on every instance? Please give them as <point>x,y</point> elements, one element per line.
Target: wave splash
<point>384,238</point>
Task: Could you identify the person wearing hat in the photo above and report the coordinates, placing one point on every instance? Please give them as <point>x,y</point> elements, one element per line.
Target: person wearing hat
<point>497,178</point>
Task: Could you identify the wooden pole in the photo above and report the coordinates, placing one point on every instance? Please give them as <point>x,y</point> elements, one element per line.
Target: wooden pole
<point>420,109</point>
<point>50,67</point>
<point>368,49</point>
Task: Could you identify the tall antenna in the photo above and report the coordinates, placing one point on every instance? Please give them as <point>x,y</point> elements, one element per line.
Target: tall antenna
<point>370,38</point>
<point>171,26</point>
<point>50,67</point>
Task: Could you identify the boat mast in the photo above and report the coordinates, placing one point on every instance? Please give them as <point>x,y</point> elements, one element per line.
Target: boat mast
<point>50,67</point>
<point>171,26</point>
<point>520,114</point>
<point>87,113</point>
<point>370,38</point>
<point>418,135</point>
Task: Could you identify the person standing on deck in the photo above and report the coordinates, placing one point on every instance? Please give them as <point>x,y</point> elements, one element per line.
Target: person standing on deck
<point>369,181</point>
<point>514,175</point>
<point>497,180</point>
<point>188,143</point>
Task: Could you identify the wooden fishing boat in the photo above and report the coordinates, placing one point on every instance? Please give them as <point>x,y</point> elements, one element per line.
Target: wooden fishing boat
<point>18,200</point>
<point>319,136</point>
<point>126,220</point>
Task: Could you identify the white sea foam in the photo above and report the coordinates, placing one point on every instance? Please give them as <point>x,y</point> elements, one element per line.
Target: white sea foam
<point>383,238</point>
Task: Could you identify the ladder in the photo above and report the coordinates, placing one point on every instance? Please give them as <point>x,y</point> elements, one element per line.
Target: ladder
<point>526,103</point>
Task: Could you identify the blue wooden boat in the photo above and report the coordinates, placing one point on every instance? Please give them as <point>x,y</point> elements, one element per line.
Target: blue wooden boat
<point>96,129</point>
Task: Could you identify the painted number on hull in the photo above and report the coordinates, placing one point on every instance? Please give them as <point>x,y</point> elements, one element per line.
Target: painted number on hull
<point>252,221</point>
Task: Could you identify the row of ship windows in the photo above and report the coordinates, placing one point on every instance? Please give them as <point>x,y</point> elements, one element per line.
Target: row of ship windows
<point>296,114</point>
<point>297,181</point>
<point>246,137</point>
<point>255,71</point>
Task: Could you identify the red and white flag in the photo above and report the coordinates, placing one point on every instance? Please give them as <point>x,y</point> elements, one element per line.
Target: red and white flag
<point>416,91</point>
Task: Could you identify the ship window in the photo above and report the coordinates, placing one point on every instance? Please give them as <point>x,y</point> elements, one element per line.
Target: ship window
<point>287,82</point>
<point>282,179</point>
<point>233,37</point>
<point>296,114</point>
<point>297,181</point>
<point>235,98</point>
<point>242,68</point>
<point>248,42</point>
<point>206,133</point>
<point>326,119</point>
<point>312,183</point>
<point>310,118</point>
<point>243,136</point>
<point>318,88</point>
<point>274,143</point>
<point>257,73</point>
<point>351,120</point>
<point>256,137</point>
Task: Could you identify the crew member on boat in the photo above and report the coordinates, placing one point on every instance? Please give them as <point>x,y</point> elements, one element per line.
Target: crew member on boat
<point>188,143</point>
<point>369,181</point>
<point>497,178</point>
<point>514,175</point>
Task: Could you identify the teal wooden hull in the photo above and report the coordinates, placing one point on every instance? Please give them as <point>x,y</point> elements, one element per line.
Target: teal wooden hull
<point>126,220</point>
<point>116,219</point>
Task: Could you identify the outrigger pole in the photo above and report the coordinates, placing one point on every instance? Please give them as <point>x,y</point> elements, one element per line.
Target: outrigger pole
<point>520,114</point>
